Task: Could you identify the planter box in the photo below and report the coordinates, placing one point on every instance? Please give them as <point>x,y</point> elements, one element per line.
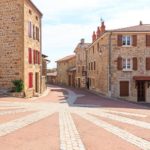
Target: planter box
<point>18,94</point>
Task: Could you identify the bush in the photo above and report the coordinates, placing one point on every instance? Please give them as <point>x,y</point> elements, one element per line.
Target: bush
<point>19,85</point>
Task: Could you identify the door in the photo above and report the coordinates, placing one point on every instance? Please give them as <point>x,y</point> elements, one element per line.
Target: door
<point>141,91</point>
<point>36,82</point>
<point>79,82</point>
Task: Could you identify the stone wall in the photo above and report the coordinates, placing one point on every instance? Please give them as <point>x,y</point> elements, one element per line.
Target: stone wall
<point>140,52</point>
<point>31,14</point>
<point>11,42</point>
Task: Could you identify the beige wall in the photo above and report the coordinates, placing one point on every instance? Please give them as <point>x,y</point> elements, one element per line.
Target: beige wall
<point>62,68</point>
<point>33,44</point>
<point>81,60</point>
<point>11,42</point>
<point>99,76</point>
<point>141,52</point>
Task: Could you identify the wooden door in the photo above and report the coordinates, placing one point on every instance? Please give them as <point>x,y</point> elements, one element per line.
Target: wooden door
<point>141,91</point>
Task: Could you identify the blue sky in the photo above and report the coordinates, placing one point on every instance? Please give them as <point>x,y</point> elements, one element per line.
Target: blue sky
<point>65,22</point>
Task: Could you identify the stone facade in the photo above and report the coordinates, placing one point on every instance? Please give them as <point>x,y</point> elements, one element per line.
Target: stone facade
<point>81,64</point>
<point>119,63</point>
<point>63,68</point>
<point>15,43</point>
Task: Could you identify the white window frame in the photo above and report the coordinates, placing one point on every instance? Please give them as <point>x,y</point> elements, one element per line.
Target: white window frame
<point>126,40</point>
<point>127,64</point>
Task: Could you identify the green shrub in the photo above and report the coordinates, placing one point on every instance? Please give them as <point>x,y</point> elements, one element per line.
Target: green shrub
<point>19,85</point>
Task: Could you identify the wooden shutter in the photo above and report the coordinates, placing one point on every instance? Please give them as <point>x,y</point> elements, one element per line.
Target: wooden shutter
<point>135,63</point>
<point>119,40</point>
<point>30,55</point>
<point>39,57</point>
<point>147,40</point>
<point>148,63</point>
<point>124,88</point>
<point>134,40</point>
<point>30,80</point>
<point>119,63</point>
<point>30,29</point>
<point>34,53</point>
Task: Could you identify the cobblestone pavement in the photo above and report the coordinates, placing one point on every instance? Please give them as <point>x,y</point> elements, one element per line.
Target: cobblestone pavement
<point>126,125</point>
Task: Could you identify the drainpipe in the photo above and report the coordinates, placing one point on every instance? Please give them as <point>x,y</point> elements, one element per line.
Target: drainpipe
<point>109,69</point>
<point>41,55</point>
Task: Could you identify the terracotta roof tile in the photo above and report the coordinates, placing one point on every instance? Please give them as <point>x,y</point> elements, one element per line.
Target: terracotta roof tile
<point>138,28</point>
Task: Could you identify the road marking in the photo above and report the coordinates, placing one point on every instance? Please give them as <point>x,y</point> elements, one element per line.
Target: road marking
<point>125,113</point>
<point>139,142</point>
<point>69,136</point>
<point>14,125</point>
<point>137,123</point>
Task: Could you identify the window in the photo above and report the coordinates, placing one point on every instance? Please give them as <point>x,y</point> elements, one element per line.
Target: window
<point>124,88</point>
<point>127,64</point>
<point>126,40</point>
<point>30,29</point>
<point>34,32</point>
<point>94,65</point>
<point>30,80</point>
<point>30,55</point>
<point>37,34</point>
<point>93,49</point>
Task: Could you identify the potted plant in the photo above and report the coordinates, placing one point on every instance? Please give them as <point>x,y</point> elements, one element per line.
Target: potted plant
<point>18,88</point>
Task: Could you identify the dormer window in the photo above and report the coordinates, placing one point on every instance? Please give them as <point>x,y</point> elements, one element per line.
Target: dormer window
<point>126,40</point>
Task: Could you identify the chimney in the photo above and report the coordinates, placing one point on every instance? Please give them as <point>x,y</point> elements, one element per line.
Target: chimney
<point>82,41</point>
<point>93,36</point>
<point>98,32</point>
<point>102,27</point>
<point>141,23</point>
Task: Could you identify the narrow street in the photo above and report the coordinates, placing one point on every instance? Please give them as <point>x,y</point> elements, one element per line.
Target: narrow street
<point>71,119</point>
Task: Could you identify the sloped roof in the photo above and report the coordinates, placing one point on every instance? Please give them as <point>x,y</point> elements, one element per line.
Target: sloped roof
<point>137,28</point>
<point>66,58</point>
<point>82,45</point>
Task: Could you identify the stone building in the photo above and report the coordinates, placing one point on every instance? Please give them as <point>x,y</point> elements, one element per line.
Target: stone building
<point>119,62</point>
<point>52,78</point>
<point>45,61</point>
<point>66,70</point>
<point>20,45</point>
<point>81,64</point>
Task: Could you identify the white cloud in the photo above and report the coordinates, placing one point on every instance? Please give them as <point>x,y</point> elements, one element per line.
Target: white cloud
<point>61,35</point>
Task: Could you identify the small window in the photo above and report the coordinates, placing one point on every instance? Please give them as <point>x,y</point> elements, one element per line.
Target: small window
<point>36,17</point>
<point>30,12</point>
<point>127,64</point>
<point>126,40</point>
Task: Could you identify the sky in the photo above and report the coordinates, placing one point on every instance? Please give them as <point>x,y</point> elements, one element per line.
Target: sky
<point>66,22</point>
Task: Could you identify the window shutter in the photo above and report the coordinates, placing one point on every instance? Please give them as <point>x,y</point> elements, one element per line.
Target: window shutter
<point>119,63</point>
<point>147,40</point>
<point>39,57</point>
<point>148,63</point>
<point>30,80</point>
<point>34,56</point>
<point>119,40</point>
<point>134,40</point>
<point>124,88</point>
<point>135,63</point>
<point>30,29</point>
<point>30,55</point>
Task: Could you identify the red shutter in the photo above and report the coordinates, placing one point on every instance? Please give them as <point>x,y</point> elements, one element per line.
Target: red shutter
<point>119,63</point>
<point>135,63</point>
<point>34,53</point>
<point>30,55</point>
<point>30,80</point>
<point>134,40</point>
<point>119,40</point>
<point>39,58</point>
<point>147,40</point>
<point>124,88</point>
<point>148,63</point>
